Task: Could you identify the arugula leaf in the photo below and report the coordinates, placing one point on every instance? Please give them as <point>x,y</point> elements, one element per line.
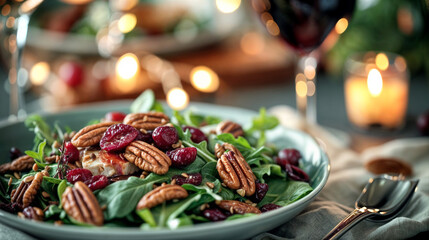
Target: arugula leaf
<point>39,155</point>
<point>283,192</point>
<point>202,149</point>
<point>240,142</point>
<point>121,197</point>
<point>147,216</point>
<point>144,102</point>
<point>261,124</point>
<point>41,129</point>
<point>269,170</point>
<point>189,118</point>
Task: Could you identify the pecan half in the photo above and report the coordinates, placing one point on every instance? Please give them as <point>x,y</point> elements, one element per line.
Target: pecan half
<point>147,157</point>
<point>235,172</point>
<point>22,163</point>
<point>230,127</point>
<point>80,203</point>
<point>146,121</point>
<point>27,190</point>
<point>90,135</point>
<point>234,206</point>
<point>161,194</point>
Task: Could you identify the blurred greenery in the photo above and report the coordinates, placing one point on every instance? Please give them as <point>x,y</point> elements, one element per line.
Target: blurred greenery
<point>398,26</point>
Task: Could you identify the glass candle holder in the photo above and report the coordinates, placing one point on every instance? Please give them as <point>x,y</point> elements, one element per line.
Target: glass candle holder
<point>376,90</point>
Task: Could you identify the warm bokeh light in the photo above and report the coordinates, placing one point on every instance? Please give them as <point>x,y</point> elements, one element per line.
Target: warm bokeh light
<point>405,20</point>
<point>381,61</point>
<point>127,22</point>
<point>29,6</point>
<point>265,17</point>
<point>272,28</point>
<point>309,72</point>
<point>311,88</point>
<point>77,1</point>
<point>123,5</point>
<point>341,25</point>
<point>374,82</point>
<point>252,43</point>
<point>301,89</point>
<point>39,73</point>
<point>204,79</point>
<point>400,64</point>
<point>177,98</point>
<point>5,10</point>
<point>127,66</point>
<point>228,6</point>
<point>300,77</point>
<point>10,22</point>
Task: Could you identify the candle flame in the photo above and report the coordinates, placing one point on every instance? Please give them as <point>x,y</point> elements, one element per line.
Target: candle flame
<point>382,61</point>
<point>375,82</point>
<point>341,25</point>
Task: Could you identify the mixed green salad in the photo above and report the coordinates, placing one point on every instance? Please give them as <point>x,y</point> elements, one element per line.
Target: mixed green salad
<point>219,171</point>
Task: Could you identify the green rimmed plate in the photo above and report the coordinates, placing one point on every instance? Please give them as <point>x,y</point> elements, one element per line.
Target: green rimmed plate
<point>316,164</point>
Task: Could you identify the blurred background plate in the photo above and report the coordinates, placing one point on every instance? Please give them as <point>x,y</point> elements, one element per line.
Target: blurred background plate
<point>162,27</point>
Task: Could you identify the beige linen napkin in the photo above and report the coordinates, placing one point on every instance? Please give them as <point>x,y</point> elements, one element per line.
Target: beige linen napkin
<point>346,181</point>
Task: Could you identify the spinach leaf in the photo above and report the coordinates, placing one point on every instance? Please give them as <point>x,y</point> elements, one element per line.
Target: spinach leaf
<point>269,170</point>
<point>147,216</point>
<point>240,142</point>
<point>60,190</point>
<point>144,102</point>
<point>189,118</point>
<point>182,220</point>
<point>283,192</point>
<point>54,210</point>
<point>121,197</point>
<point>4,197</point>
<point>166,212</point>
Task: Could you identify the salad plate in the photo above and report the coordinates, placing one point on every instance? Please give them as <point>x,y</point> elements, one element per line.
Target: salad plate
<point>314,162</point>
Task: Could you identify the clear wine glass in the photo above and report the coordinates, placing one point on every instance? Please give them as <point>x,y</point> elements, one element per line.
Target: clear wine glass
<point>14,19</point>
<point>303,25</point>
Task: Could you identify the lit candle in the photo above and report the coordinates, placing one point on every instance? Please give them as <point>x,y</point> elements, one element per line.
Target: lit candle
<point>376,90</point>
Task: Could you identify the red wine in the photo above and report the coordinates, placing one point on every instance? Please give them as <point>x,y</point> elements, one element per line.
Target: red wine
<point>304,24</point>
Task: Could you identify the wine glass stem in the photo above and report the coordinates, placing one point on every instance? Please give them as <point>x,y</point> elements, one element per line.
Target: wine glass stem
<point>305,83</point>
<point>16,81</point>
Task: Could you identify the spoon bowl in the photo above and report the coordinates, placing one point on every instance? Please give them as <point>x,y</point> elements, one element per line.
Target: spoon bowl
<point>382,199</point>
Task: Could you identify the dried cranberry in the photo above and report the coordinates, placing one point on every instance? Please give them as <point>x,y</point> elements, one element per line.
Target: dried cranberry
<point>71,73</point>
<point>118,136</point>
<point>70,153</point>
<point>114,116</point>
<point>193,178</point>
<point>165,136</point>
<point>182,157</point>
<point>145,137</point>
<point>197,135</point>
<point>423,123</point>
<point>14,153</point>
<point>296,173</point>
<point>261,190</point>
<point>269,207</point>
<point>97,182</point>
<point>288,155</point>
<point>78,174</point>
<point>30,213</point>
<point>214,214</point>
<point>11,207</point>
